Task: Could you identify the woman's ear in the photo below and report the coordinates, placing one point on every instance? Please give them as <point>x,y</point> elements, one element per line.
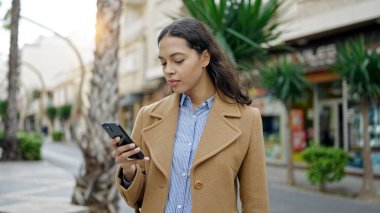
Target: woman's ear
<point>205,58</point>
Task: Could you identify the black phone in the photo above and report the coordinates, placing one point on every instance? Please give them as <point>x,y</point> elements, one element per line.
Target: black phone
<point>114,130</point>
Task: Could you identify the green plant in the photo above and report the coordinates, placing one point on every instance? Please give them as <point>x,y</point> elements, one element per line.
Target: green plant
<point>324,164</point>
<point>57,135</point>
<point>64,112</point>
<point>358,63</point>
<point>244,28</point>
<point>286,82</point>
<point>30,145</point>
<point>51,112</point>
<point>3,108</point>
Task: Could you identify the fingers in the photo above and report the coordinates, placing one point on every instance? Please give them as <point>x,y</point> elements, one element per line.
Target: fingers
<point>114,142</point>
<point>124,149</point>
<point>125,155</point>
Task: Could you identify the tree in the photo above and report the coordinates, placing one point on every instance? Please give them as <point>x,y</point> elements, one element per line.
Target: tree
<point>360,68</point>
<point>11,143</point>
<point>51,112</point>
<point>95,185</point>
<point>244,28</point>
<point>64,113</point>
<point>285,81</point>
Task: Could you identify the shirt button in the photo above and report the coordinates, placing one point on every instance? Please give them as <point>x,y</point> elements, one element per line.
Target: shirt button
<point>179,206</point>
<point>194,116</point>
<point>204,104</point>
<point>184,174</point>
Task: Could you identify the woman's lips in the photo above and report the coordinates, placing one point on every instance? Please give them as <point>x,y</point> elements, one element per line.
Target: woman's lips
<point>173,83</point>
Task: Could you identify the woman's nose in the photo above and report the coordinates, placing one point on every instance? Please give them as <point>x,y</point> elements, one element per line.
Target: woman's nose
<point>168,69</point>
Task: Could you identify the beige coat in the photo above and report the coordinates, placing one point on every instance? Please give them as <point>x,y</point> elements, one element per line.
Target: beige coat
<point>231,149</point>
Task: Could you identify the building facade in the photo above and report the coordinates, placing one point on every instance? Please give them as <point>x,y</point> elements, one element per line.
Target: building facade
<point>312,28</point>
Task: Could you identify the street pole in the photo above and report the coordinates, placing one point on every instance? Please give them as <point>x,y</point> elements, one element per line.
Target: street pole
<point>43,95</point>
<point>78,103</point>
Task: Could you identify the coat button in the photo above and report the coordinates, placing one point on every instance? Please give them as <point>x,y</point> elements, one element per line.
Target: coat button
<point>198,185</point>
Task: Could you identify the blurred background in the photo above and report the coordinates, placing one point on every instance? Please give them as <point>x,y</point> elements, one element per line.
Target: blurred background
<point>312,68</point>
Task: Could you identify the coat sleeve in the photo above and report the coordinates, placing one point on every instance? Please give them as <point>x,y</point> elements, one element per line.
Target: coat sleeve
<point>252,173</point>
<point>133,196</point>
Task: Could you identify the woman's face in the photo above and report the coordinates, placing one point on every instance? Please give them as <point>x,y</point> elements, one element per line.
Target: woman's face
<point>183,67</point>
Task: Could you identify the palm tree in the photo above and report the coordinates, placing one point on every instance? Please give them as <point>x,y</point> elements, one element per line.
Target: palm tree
<point>11,143</point>
<point>285,81</point>
<point>244,28</point>
<point>95,187</point>
<point>360,68</point>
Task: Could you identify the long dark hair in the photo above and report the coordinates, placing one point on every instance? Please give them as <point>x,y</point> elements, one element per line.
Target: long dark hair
<point>199,37</point>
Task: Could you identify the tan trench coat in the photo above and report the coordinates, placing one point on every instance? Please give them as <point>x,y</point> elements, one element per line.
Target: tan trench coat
<point>231,149</point>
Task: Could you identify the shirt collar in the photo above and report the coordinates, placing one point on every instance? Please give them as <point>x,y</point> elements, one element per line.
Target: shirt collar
<point>186,99</point>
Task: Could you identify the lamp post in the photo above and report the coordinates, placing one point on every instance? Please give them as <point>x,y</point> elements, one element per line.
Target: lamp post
<point>78,103</point>
<point>43,95</point>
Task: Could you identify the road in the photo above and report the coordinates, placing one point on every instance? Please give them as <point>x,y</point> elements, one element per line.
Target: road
<point>283,199</point>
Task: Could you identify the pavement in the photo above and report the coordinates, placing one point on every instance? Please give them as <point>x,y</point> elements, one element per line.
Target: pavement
<point>46,185</point>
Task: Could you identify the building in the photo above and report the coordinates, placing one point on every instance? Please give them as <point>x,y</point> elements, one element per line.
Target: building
<point>313,28</point>
<point>140,74</point>
<point>49,66</point>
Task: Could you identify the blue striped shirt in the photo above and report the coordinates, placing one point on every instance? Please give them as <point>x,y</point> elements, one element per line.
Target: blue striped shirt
<point>189,131</point>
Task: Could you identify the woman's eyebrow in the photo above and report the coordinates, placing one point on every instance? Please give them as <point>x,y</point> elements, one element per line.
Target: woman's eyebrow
<point>171,55</point>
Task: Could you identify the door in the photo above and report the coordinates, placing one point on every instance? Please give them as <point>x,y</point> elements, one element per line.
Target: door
<point>331,123</point>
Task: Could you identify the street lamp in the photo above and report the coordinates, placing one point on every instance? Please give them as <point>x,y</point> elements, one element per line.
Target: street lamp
<point>78,103</point>
<point>43,95</point>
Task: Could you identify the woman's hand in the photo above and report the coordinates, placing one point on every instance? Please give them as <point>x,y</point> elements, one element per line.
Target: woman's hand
<point>122,156</point>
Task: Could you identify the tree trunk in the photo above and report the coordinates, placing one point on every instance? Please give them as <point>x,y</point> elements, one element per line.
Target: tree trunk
<point>95,186</point>
<point>368,190</point>
<point>289,159</point>
<point>11,143</point>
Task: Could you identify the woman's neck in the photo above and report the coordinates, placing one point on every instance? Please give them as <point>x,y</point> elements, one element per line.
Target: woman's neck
<point>200,95</point>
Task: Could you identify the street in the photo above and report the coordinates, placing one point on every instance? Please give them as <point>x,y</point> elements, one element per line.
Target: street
<point>283,199</point>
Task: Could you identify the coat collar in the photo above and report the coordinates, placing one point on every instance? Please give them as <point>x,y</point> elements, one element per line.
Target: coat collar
<point>219,132</point>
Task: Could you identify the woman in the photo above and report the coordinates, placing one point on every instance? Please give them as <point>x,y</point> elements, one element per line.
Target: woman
<point>200,140</point>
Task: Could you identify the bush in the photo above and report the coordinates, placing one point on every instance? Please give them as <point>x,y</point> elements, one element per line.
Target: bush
<point>324,164</point>
<point>57,136</point>
<point>30,145</point>
<point>64,112</point>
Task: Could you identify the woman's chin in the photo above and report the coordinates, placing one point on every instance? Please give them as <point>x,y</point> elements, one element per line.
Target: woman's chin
<point>177,90</point>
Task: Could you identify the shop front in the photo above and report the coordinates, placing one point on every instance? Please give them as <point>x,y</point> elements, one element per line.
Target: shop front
<point>329,116</point>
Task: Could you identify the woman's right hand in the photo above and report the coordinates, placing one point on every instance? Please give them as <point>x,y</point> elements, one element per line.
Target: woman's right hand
<point>122,156</point>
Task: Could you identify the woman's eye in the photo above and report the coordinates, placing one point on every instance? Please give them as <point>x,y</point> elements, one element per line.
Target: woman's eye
<point>179,61</point>
<point>163,64</point>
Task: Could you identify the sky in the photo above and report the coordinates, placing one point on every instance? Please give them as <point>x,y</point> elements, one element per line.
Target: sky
<point>63,16</point>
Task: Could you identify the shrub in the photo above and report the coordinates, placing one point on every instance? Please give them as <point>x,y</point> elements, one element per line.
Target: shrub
<point>51,112</point>
<point>57,136</point>
<point>64,112</point>
<point>3,108</point>
<point>324,164</point>
<point>30,145</point>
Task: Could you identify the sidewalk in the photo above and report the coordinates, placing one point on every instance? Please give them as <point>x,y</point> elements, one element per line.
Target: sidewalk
<point>35,187</point>
<point>43,187</point>
<point>349,187</point>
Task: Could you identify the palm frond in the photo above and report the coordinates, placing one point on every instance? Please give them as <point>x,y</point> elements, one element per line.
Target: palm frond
<point>360,68</point>
<point>284,80</point>
<point>242,27</point>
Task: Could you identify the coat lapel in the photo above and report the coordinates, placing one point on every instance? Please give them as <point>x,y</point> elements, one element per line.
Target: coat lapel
<point>217,135</point>
<point>218,132</point>
<point>159,137</point>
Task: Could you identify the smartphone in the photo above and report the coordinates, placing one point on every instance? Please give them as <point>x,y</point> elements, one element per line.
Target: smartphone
<point>114,130</point>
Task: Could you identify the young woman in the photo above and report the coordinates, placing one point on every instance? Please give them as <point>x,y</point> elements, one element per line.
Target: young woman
<point>201,140</point>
